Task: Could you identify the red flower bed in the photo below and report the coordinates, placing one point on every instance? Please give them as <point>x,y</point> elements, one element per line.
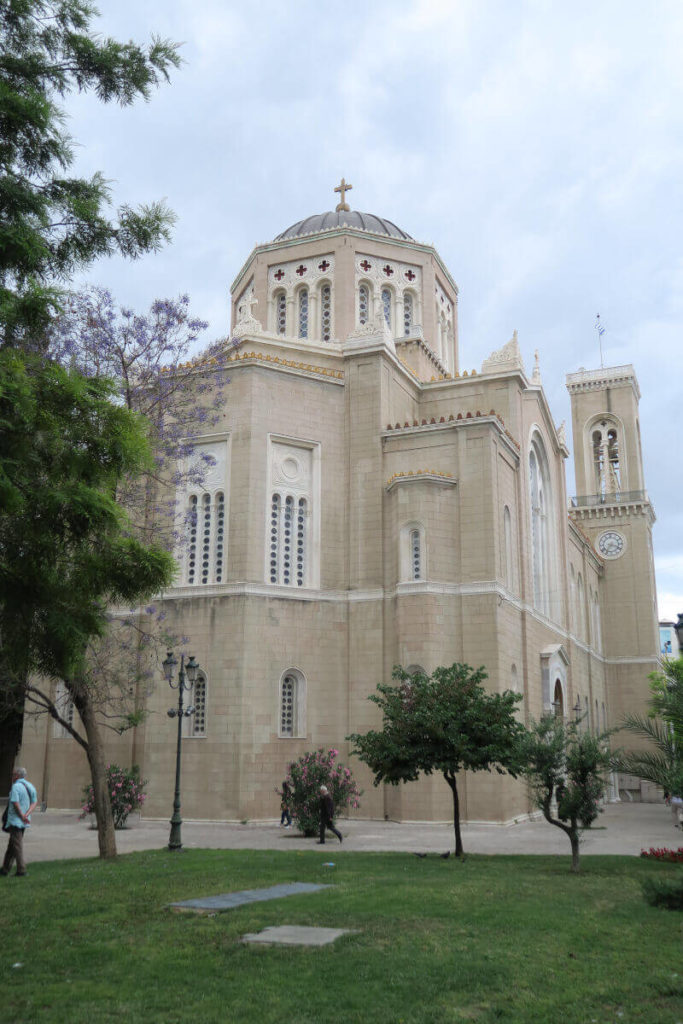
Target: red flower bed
<point>662,853</point>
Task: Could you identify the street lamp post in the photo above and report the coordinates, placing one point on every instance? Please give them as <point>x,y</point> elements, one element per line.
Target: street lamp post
<point>186,679</point>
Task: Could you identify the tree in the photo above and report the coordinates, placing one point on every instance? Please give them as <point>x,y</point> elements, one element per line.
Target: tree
<point>447,723</point>
<point>66,550</point>
<point>148,357</point>
<point>570,764</point>
<point>53,225</point>
<point>662,727</point>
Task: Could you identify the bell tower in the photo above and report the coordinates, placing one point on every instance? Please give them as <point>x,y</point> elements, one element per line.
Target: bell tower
<point>612,507</point>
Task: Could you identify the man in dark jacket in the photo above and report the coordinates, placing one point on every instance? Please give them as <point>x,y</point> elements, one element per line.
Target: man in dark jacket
<point>326,816</point>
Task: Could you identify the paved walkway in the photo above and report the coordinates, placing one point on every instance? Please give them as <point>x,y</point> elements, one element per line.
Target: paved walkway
<point>622,828</point>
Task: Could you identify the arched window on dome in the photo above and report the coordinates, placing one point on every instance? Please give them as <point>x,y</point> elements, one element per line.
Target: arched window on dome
<point>363,304</point>
<point>280,299</point>
<point>326,312</point>
<point>303,312</point>
<point>386,305</point>
<point>542,532</point>
<point>292,704</point>
<point>408,307</point>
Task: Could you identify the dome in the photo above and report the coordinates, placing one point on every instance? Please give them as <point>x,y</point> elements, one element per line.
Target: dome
<point>343,219</point>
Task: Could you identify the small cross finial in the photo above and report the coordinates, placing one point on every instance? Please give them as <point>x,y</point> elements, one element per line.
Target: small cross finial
<point>343,188</point>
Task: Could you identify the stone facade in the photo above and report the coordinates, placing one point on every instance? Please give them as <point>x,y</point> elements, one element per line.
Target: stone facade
<point>372,504</point>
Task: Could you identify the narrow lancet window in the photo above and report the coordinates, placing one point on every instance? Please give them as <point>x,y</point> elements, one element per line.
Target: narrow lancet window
<point>303,313</point>
<point>326,312</point>
<point>407,313</point>
<point>363,304</point>
<point>386,305</point>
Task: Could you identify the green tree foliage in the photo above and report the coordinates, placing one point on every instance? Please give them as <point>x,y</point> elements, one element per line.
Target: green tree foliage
<point>566,767</point>
<point>66,551</point>
<point>51,224</point>
<point>662,761</point>
<point>447,723</point>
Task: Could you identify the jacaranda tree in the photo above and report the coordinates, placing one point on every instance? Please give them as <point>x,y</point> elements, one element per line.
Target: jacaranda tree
<point>446,723</point>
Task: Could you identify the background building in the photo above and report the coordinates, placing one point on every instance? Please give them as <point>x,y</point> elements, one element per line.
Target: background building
<point>371,503</point>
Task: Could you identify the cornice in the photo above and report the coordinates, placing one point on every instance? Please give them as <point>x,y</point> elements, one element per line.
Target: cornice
<point>620,510</point>
<point>416,476</point>
<point>455,422</point>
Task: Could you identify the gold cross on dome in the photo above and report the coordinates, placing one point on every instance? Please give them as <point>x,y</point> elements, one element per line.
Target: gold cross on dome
<point>343,188</point>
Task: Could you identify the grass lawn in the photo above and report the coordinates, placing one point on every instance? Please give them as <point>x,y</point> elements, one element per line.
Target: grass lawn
<point>491,939</point>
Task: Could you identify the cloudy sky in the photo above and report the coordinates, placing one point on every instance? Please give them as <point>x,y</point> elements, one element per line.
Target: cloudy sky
<point>538,145</point>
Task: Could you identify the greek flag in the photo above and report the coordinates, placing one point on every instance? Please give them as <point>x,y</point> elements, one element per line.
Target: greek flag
<point>599,326</point>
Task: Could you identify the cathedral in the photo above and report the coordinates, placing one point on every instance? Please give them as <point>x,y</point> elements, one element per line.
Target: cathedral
<point>372,502</point>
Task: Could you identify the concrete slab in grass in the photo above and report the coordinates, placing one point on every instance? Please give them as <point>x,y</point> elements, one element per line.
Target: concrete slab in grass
<point>230,900</point>
<point>297,935</point>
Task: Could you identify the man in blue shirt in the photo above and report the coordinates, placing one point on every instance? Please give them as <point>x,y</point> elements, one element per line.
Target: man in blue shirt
<point>22,800</point>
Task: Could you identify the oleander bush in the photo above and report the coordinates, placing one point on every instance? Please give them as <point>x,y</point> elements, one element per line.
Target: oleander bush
<point>305,777</point>
<point>126,790</point>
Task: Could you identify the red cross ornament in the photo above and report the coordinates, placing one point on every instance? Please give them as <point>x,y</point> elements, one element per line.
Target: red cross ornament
<point>279,275</point>
<point>388,270</point>
<point>365,265</point>
<point>301,270</point>
<point>410,275</point>
<point>323,266</point>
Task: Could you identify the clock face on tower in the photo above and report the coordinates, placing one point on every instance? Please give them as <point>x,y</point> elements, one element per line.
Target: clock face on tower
<point>611,544</point>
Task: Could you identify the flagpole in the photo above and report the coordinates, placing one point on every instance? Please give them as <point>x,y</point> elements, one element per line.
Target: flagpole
<point>600,328</point>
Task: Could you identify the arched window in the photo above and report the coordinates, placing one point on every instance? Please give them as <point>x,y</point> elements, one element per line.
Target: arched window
<point>558,700</point>
<point>572,597</point>
<point>65,706</point>
<point>199,702</point>
<point>280,313</point>
<point>412,560</point>
<point>580,608</point>
<point>292,705</point>
<point>542,536</point>
<point>386,305</point>
<point>407,313</point>
<point>363,304</point>
<point>416,670</point>
<point>206,538</point>
<point>288,533</point>
<point>606,458</point>
<point>326,312</point>
<point>303,312</point>
<point>508,573</point>
<point>416,554</point>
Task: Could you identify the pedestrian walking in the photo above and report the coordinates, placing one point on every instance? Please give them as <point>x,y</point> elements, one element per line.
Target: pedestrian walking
<point>327,816</point>
<point>22,800</point>
<point>286,815</point>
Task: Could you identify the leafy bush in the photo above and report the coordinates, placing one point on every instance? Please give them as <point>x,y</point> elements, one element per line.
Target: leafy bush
<point>125,790</point>
<point>305,777</point>
<point>664,892</point>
